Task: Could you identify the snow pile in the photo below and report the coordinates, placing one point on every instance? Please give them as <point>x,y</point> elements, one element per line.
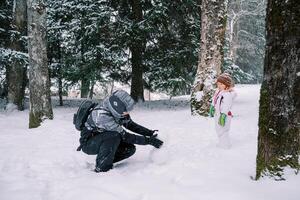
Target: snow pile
<point>10,107</point>
<point>42,164</point>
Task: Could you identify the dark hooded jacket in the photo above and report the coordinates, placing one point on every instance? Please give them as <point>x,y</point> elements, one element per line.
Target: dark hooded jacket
<point>108,117</point>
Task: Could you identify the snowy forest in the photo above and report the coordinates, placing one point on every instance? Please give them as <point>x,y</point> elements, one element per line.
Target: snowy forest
<point>216,83</point>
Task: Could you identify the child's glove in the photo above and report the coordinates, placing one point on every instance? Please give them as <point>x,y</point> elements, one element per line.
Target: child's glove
<point>222,119</point>
<point>212,111</point>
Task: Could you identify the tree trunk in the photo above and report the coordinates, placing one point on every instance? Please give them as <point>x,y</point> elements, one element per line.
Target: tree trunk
<point>91,92</point>
<point>213,21</point>
<point>60,88</point>
<point>85,88</point>
<point>137,82</point>
<point>39,82</point>
<point>233,27</point>
<point>17,68</point>
<point>137,48</point>
<point>59,74</point>
<point>112,87</point>
<point>279,111</point>
<point>3,92</point>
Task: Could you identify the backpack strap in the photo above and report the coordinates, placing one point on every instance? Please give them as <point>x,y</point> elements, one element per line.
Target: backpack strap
<point>90,112</point>
<point>91,122</point>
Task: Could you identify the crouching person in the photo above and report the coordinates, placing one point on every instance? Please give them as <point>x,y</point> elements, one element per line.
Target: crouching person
<point>104,135</point>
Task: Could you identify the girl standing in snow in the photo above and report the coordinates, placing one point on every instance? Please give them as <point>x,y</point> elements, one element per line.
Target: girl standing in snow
<point>220,109</point>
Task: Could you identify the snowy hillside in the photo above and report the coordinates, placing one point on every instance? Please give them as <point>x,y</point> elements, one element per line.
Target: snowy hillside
<point>43,164</point>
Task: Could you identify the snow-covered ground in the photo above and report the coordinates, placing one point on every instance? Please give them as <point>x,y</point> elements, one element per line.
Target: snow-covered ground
<point>43,164</point>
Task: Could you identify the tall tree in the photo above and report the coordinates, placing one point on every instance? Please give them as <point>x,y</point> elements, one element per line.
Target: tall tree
<point>94,40</point>
<point>39,81</point>
<point>172,49</point>
<point>16,70</point>
<point>82,43</point>
<point>245,40</point>
<point>279,111</point>
<point>137,47</point>
<point>213,23</point>
<point>5,25</point>
<point>5,35</point>
<point>56,24</point>
<point>133,36</point>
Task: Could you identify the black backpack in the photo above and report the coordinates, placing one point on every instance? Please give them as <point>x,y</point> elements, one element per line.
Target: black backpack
<point>80,117</point>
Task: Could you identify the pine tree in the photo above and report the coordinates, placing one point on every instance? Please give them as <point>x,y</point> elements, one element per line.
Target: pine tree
<point>90,41</point>
<point>82,43</point>
<point>279,111</point>
<point>57,19</point>
<point>171,61</point>
<point>5,35</point>
<point>132,36</point>
<point>39,82</point>
<point>137,47</point>
<point>213,21</point>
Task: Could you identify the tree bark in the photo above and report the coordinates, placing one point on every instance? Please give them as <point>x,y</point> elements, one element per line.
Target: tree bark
<point>91,92</point>
<point>17,68</point>
<point>137,82</point>
<point>233,27</point>
<point>279,111</point>
<point>60,88</point>
<point>213,25</point>
<point>39,82</point>
<point>85,88</point>
<point>137,48</point>
<point>3,92</point>
<point>59,73</point>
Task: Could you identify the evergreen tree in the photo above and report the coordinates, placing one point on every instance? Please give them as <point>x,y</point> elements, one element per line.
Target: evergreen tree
<point>130,25</point>
<point>172,51</point>
<point>5,34</point>
<point>279,111</point>
<point>170,30</point>
<point>58,17</point>
<point>16,69</point>
<point>137,47</point>
<point>82,43</point>
<point>95,45</point>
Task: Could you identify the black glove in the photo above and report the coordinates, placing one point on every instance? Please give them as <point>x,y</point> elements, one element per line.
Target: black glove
<point>152,140</point>
<point>147,132</point>
<point>153,131</point>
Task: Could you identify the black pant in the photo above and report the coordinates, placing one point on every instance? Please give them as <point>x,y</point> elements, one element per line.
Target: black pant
<point>109,148</point>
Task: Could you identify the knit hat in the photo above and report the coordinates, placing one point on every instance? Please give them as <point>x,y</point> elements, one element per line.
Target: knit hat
<point>125,98</point>
<point>225,79</point>
<point>117,103</point>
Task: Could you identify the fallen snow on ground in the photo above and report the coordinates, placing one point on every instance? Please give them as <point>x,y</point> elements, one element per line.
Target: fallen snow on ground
<point>43,164</point>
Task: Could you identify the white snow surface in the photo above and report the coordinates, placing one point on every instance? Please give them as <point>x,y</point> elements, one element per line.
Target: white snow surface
<point>43,164</point>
